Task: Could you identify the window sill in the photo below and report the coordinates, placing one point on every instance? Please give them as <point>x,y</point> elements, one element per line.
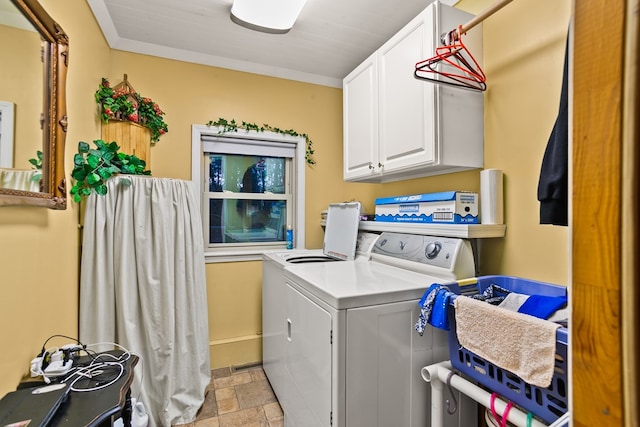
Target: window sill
<point>238,256</point>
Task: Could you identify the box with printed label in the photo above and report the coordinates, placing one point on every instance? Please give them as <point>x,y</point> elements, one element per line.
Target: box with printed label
<point>448,207</point>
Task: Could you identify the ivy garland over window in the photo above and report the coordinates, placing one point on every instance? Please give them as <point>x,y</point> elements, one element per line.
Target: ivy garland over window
<point>231,126</point>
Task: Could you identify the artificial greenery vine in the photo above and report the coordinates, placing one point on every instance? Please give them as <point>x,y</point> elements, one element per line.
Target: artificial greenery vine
<point>232,126</point>
<point>93,167</point>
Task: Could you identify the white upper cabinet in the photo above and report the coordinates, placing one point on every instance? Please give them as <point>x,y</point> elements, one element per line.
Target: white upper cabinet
<point>399,127</point>
<point>360,109</point>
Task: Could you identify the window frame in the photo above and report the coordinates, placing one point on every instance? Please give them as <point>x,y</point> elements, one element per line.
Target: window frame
<point>266,138</point>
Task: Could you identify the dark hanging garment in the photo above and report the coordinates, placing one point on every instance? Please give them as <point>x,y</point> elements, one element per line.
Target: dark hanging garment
<point>553,189</point>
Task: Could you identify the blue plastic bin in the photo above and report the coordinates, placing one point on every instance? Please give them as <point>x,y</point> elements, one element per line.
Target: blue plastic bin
<point>548,404</point>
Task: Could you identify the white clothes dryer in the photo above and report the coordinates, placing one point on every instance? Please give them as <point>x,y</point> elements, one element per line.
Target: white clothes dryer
<point>273,301</point>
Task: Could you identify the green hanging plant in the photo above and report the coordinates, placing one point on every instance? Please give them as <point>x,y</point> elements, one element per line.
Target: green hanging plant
<point>122,102</point>
<point>92,168</point>
<point>231,126</point>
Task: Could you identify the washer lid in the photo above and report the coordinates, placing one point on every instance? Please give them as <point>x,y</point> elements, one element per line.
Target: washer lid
<point>341,230</point>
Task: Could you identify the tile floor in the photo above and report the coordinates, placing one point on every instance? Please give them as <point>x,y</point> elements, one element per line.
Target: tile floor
<point>239,398</point>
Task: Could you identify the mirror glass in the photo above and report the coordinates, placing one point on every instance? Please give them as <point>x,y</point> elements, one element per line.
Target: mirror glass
<point>32,106</point>
<point>21,96</point>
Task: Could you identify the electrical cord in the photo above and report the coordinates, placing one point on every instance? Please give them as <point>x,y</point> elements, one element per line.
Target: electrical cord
<point>94,373</point>
<point>98,373</point>
<point>128,355</point>
<point>44,345</point>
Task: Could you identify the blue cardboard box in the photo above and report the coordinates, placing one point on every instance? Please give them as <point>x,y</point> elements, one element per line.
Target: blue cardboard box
<point>448,207</point>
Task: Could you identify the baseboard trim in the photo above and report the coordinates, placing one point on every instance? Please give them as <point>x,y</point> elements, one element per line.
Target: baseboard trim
<point>236,351</point>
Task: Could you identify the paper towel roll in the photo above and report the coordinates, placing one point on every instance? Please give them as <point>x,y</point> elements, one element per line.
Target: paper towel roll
<point>491,197</point>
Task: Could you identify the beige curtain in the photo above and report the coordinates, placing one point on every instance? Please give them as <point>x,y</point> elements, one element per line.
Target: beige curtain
<point>20,179</point>
<point>143,286</point>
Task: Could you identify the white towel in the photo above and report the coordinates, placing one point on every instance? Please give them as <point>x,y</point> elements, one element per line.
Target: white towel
<point>519,343</point>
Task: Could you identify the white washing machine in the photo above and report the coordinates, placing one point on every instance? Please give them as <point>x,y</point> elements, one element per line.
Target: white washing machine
<point>351,355</point>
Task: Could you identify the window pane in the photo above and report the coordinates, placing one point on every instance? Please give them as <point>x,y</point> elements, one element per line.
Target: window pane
<point>246,221</point>
<point>246,174</point>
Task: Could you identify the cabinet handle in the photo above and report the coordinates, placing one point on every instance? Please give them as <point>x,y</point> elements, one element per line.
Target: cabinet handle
<point>289,330</point>
<point>380,165</point>
<point>370,165</point>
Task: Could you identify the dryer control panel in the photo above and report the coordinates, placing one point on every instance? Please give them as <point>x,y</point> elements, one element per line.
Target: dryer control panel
<point>447,256</point>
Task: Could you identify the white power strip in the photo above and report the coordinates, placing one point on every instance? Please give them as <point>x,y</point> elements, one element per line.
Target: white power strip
<point>58,368</point>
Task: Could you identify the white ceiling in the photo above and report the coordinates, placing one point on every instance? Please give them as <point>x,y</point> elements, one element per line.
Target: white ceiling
<point>330,38</point>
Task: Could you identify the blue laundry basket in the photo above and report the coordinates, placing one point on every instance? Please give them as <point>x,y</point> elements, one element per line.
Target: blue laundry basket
<point>548,404</point>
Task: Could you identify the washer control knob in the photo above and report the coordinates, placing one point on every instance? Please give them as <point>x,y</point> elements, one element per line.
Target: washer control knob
<point>432,250</point>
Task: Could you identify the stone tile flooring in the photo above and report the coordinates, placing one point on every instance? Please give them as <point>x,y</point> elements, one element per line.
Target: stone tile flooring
<point>239,397</point>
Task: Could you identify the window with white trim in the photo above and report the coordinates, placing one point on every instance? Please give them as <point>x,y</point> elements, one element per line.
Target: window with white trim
<point>252,187</point>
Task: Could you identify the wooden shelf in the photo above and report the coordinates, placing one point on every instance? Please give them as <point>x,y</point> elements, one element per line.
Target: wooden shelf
<point>463,231</point>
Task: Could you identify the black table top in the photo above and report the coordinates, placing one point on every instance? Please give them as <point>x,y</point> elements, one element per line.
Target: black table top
<point>98,396</point>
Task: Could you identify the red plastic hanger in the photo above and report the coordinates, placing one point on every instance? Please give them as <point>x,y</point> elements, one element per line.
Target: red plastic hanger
<point>453,64</point>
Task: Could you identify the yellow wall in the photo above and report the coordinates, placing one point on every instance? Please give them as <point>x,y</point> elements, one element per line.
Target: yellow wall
<point>39,247</point>
<point>521,104</point>
<point>523,56</point>
<point>523,47</point>
<point>194,94</point>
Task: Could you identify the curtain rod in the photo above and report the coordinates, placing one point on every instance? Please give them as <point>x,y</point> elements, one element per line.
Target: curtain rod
<point>453,34</point>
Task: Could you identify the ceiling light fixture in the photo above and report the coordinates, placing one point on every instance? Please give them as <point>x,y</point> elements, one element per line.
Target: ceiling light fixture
<point>268,16</point>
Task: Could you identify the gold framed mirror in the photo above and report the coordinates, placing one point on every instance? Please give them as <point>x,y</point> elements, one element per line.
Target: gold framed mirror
<point>50,188</point>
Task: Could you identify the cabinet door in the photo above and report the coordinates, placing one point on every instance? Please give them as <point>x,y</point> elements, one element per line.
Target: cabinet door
<point>407,107</point>
<point>360,120</point>
<point>384,358</point>
<point>308,361</point>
